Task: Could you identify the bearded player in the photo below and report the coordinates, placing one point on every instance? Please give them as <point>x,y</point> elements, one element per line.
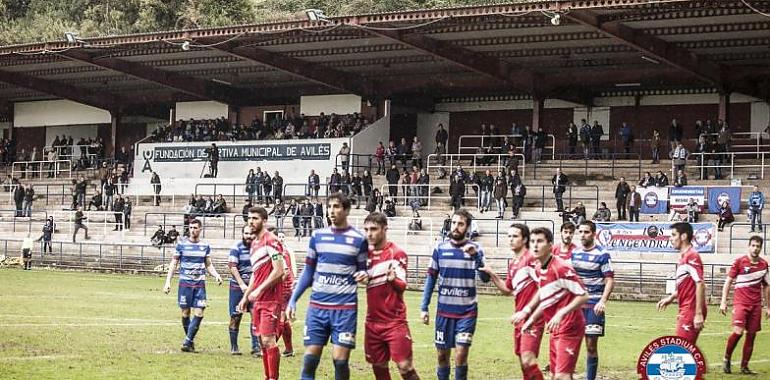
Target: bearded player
<point>690,289</point>
<point>564,249</point>
<point>239,263</point>
<point>751,276</point>
<point>387,331</point>
<point>559,299</point>
<point>290,274</point>
<point>522,284</point>
<point>264,291</point>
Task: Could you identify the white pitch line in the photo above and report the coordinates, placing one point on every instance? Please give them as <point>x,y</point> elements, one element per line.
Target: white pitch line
<point>153,324</point>
<point>39,357</point>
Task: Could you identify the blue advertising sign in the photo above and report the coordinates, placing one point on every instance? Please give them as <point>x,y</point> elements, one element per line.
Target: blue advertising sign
<point>654,200</point>
<point>718,195</point>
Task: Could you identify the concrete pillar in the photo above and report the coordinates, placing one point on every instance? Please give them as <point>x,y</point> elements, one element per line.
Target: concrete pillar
<point>114,123</point>
<point>538,107</point>
<point>724,107</point>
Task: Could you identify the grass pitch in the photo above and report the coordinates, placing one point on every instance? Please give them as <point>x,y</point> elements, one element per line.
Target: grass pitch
<point>74,325</point>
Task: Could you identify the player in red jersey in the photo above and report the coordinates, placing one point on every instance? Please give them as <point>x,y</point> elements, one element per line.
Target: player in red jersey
<point>690,289</point>
<point>264,291</point>
<point>558,302</point>
<point>565,248</point>
<point>289,276</point>
<point>387,331</point>
<point>521,282</point>
<point>751,276</point>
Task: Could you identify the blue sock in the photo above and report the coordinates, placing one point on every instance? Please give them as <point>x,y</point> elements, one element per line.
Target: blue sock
<point>592,363</point>
<point>185,324</point>
<point>310,363</point>
<point>254,341</point>
<point>195,324</point>
<point>461,372</point>
<point>442,373</point>
<point>233,339</point>
<point>341,370</point>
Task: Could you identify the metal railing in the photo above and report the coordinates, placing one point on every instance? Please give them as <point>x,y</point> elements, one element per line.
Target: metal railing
<point>429,198</point>
<point>739,240</point>
<point>728,162</point>
<point>22,223</point>
<point>571,164</point>
<point>473,162</point>
<point>475,141</point>
<point>105,220</point>
<point>230,223</point>
<point>53,169</point>
<point>356,162</point>
<point>323,190</point>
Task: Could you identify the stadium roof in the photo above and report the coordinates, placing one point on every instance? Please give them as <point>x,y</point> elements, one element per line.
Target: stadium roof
<point>414,57</point>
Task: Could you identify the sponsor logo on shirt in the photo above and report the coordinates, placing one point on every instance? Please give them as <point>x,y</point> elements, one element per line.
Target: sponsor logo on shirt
<point>455,292</point>
<point>331,280</point>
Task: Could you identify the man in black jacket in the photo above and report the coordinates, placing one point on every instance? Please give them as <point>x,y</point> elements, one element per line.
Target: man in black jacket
<point>277,187</point>
<point>621,194</point>
<point>559,182</point>
<point>392,176</point>
<point>442,137</point>
<point>313,184</point>
<point>117,208</point>
<point>335,181</point>
<point>519,192</point>
<point>155,181</point>
<point>18,199</point>
<point>96,202</point>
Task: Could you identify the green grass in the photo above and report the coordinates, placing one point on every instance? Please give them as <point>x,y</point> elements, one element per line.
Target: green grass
<point>74,325</point>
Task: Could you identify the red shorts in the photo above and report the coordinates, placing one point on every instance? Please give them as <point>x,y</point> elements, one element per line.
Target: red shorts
<point>265,318</point>
<point>529,341</point>
<point>565,349</point>
<point>748,316</point>
<point>387,341</point>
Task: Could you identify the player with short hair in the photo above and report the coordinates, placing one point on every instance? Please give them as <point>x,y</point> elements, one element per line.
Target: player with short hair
<point>521,282</point>
<point>387,334</point>
<point>264,291</point>
<point>751,277</point>
<point>558,302</point>
<point>690,289</point>
<point>239,263</point>
<point>288,287</point>
<point>335,261</point>
<point>594,267</point>
<point>454,265</point>
<point>564,249</point>
<point>194,259</point>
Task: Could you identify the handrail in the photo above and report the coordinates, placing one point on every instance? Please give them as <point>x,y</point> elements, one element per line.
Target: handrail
<point>53,168</point>
<point>354,161</point>
<point>730,158</point>
<point>522,148</point>
<point>203,217</point>
<point>23,221</point>
<point>745,241</point>
<point>454,160</point>
<point>384,191</point>
<point>105,220</point>
<point>569,161</point>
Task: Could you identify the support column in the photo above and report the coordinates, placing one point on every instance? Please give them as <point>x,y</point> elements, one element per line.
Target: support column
<point>114,123</point>
<point>538,107</point>
<point>724,107</point>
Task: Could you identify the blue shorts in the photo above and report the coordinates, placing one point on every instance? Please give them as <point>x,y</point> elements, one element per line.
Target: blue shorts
<point>452,332</point>
<point>594,323</point>
<point>340,325</point>
<point>192,297</point>
<point>235,297</point>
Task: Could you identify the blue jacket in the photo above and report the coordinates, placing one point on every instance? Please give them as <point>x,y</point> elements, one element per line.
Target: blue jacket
<point>757,199</point>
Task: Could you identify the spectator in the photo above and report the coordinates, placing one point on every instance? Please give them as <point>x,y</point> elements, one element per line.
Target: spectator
<point>518,191</point>
<point>661,180</point>
<point>279,210</point>
<point>127,210</point>
<point>159,237</point>
<point>442,137</point>
<point>585,138</point>
<point>576,216</point>
<point>374,203</point>
<point>602,214</point>
<point>277,187</point>
<point>725,215</point>
<point>486,185</point>
<point>356,184</point>
<point>79,224</point>
<point>213,155</point>
<point>702,148</point>
<point>389,209</point>
<point>540,139</point>
<point>692,208</point>
<point>679,157</point>
<point>335,182</point>
<point>379,156</point>
<point>392,176</point>
<point>267,188</point>
<point>572,137</point>
<point>345,184</point>
<point>366,181</point>
<point>345,156</point>
<point>294,211</point>
<point>404,181</point>
<point>313,184</point>
<point>655,146</point>
<point>647,180</point>
<point>500,193</point>
<point>559,182</point>
<point>306,213</point>
<point>634,203</point>
<point>318,215</point>
<point>681,179</point>
<point>756,205</point>
<point>74,193</point>
<point>156,187</point>
<point>250,187</point>
<point>245,210</point>
<point>621,193</point>
<point>172,235</point>
<point>48,230</point>
<point>417,152</point>
<point>723,138</point>
<point>117,208</point>
<point>715,161</point>
<point>529,141</point>
<point>18,199</point>
<point>29,196</point>
<point>674,134</point>
<point>403,152</point>
<point>391,153</point>
<point>259,180</point>
<point>596,137</point>
<point>627,137</point>
<point>219,206</point>
<point>96,202</point>
<point>109,191</point>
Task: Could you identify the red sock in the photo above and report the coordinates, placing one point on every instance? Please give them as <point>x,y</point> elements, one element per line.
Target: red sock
<point>411,375</point>
<point>732,341</point>
<point>748,349</point>
<point>273,355</point>
<point>381,373</point>
<point>287,336</point>
<point>265,362</point>
<point>533,373</point>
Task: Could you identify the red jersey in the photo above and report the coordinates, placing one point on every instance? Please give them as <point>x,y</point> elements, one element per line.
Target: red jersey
<point>263,252</point>
<point>567,256</point>
<point>522,280</point>
<point>749,280</point>
<point>288,282</point>
<point>385,300</point>
<point>559,285</point>
<point>689,272</point>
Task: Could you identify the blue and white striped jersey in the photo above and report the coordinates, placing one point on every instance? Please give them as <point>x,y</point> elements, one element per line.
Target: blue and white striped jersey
<point>239,258</point>
<point>192,263</point>
<point>336,254</point>
<point>592,266</point>
<point>456,273</point>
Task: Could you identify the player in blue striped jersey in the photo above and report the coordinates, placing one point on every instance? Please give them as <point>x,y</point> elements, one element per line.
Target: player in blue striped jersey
<point>454,265</point>
<point>194,259</point>
<point>594,266</point>
<point>335,261</point>
<point>239,263</point>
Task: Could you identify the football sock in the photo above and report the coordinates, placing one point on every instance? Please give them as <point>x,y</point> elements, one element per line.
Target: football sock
<point>273,355</point>
<point>461,372</point>
<point>265,363</point>
<point>411,375</point>
<point>533,373</point>
<point>592,363</point>
<point>309,365</point>
<point>341,370</point>
<point>288,346</point>
<point>195,323</point>
<point>748,349</point>
<point>732,341</point>
<point>233,339</point>
<point>442,373</point>
<point>185,324</point>
<point>254,340</point>
<point>381,373</point>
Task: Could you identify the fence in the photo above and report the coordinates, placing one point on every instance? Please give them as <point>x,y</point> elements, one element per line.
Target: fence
<point>104,220</point>
<point>8,219</point>
<point>230,223</point>
<point>570,164</point>
<point>356,162</point>
<point>475,162</point>
<point>727,161</point>
<point>54,169</point>
<point>473,142</point>
<point>740,235</point>
<point>429,198</point>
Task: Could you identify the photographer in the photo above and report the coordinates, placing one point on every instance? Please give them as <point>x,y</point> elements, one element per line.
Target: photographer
<point>213,155</point>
